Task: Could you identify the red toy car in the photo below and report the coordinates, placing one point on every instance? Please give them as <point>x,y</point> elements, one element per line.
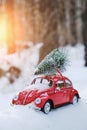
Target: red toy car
<point>48,92</point>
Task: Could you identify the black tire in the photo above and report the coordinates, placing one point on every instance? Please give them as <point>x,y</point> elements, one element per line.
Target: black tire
<point>47,107</point>
<point>75,99</point>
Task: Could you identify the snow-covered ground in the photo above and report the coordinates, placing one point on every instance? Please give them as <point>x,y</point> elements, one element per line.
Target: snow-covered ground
<point>69,117</point>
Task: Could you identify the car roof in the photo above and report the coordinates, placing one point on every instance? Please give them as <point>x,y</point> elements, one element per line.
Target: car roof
<point>54,77</point>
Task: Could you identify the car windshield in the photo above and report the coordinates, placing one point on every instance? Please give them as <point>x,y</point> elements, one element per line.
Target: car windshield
<point>41,84</point>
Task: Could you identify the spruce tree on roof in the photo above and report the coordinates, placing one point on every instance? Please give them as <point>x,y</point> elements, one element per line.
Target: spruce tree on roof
<point>57,58</point>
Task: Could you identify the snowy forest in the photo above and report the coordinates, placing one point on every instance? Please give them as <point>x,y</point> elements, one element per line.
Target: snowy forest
<point>29,32</point>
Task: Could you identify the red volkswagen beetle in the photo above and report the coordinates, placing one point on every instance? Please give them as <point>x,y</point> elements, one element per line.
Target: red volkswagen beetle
<point>47,92</point>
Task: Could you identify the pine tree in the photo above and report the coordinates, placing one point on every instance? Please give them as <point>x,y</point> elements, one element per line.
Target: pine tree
<point>55,59</point>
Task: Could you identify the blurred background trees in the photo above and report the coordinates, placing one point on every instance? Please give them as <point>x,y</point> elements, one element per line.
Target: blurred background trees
<point>53,22</point>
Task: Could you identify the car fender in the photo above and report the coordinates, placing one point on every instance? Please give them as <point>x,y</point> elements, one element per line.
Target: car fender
<point>44,99</point>
<point>73,93</point>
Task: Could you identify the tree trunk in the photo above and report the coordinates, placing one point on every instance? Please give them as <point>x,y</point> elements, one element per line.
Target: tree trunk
<point>79,20</point>
<point>10,26</point>
<point>61,23</point>
<point>84,29</point>
<point>67,15</point>
<point>30,20</point>
<point>48,26</point>
<point>73,22</point>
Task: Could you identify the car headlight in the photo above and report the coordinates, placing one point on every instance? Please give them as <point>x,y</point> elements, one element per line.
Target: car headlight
<point>38,101</point>
<point>15,97</point>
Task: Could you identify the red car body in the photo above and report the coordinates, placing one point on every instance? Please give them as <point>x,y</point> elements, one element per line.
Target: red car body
<point>57,90</point>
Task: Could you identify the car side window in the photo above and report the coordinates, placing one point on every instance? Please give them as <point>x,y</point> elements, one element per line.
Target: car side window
<point>68,83</point>
<point>60,84</point>
<point>37,81</point>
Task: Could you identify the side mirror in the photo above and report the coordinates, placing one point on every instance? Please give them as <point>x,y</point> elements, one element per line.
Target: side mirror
<point>57,89</point>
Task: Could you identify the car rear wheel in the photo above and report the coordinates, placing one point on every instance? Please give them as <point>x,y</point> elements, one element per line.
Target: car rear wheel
<point>75,99</point>
<point>47,107</point>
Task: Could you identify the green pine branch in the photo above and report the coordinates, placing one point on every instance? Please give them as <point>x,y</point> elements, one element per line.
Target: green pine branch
<point>57,58</point>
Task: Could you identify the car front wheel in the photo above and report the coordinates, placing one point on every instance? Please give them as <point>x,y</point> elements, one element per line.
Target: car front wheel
<point>47,107</point>
<point>75,99</point>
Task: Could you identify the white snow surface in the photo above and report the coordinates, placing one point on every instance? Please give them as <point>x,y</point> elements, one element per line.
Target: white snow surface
<point>68,117</point>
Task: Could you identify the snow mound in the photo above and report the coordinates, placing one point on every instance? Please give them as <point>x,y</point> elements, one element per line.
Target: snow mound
<point>25,61</point>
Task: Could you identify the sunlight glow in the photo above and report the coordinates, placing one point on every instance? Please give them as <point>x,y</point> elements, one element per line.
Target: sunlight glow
<point>6,33</point>
<point>2,30</point>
